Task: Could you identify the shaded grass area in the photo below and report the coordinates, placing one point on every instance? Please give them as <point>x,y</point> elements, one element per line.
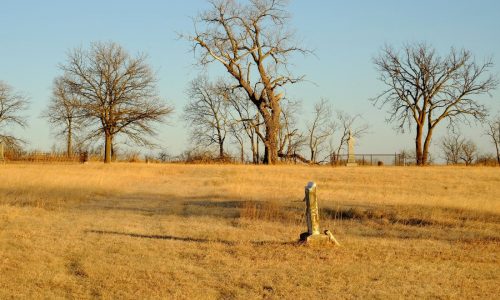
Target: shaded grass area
<point>401,221</point>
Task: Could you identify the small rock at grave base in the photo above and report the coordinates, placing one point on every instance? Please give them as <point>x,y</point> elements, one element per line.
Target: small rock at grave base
<point>315,239</point>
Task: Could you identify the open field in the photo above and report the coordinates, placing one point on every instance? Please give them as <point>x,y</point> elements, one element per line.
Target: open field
<point>230,231</point>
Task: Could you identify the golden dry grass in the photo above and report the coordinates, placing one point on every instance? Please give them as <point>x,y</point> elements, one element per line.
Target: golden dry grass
<point>208,232</point>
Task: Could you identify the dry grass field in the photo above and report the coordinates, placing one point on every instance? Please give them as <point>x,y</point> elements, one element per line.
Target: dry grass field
<point>173,231</point>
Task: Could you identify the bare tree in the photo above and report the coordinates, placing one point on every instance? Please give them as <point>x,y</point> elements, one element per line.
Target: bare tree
<point>64,112</point>
<point>118,93</point>
<point>468,152</point>
<point>290,139</point>
<point>424,89</point>
<point>493,131</point>
<point>253,43</point>
<point>451,146</point>
<point>245,121</point>
<point>206,113</point>
<point>320,129</point>
<point>11,105</point>
<point>346,123</point>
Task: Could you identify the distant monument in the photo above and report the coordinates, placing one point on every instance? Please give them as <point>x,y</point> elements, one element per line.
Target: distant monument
<point>351,160</point>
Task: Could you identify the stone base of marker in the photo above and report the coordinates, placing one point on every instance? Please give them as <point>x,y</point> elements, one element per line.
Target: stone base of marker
<point>352,164</point>
<point>318,239</point>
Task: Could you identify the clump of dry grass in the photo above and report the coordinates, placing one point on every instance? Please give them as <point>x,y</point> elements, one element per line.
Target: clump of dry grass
<point>230,231</point>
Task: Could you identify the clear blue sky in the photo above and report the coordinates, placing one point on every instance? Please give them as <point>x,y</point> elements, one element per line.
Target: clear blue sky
<point>346,35</point>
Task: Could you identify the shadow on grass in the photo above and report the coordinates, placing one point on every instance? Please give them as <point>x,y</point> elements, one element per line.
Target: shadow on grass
<point>185,239</point>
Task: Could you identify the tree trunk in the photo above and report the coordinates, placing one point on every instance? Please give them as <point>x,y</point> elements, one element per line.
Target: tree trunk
<point>271,143</point>
<point>498,153</point>
<point>242,153</point>
<point>427,143</point>
<point>418,147</point>
<point>272,123</point>
<point>497,143</point>
<point>107,148</point>
<point>221,149</point>
<point>255,151</point>
<point>69,146</point>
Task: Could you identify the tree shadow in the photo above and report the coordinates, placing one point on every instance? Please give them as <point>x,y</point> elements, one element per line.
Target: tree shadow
<point>187,239</point>
<point>159,237</point>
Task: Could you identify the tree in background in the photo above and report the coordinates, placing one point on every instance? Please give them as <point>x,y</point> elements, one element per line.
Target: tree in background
<point>451,145</point>
<point>346,123</point>
<point>424,89</point>
<point>320,129</point>
<point>245,123</point>
<point>64,111</point>
<point>254,45</point>
<point>11,105</point>
<point>468,152</point>
<point>290,139</point>
<point>206,114</point>
<point>493,131</point>
<point>117,93</point>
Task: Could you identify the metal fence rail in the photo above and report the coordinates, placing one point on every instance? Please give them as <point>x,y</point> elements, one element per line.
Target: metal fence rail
<point>371,159</point>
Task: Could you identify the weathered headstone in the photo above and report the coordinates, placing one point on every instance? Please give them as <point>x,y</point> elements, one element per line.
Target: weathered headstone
<point>312,211</point>
<point>351,159</point>
<point>313,234</point>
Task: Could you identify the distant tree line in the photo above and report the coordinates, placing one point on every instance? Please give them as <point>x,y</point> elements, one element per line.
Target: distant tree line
<point>105,94</point>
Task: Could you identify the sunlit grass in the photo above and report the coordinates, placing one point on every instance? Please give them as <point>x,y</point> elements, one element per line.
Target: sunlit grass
<point>230,231</point>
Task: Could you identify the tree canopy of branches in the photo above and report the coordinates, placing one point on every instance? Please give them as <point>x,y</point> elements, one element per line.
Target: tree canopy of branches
<point>206,113</point>
<point>11,105</point>
<point>320,129</point>
<point>64,113</point>
<point>468,152</point>
<point>451,145</point>
<point>117,92</point>
<point>424,89</point>
<point>493,131</point>
<point>254,45</point>
<point>346,123</point>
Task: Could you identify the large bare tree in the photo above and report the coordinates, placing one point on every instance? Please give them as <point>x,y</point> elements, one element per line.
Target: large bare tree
<point>118,92</point>
<point>64,112</point>
<point>493,131</point>
<point>206,113</point>
<point>11,105</point>
<point>254,44</point>
<point>424,89</point>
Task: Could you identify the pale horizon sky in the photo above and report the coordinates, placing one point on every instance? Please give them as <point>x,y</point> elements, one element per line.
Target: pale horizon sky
<point>36,35</point>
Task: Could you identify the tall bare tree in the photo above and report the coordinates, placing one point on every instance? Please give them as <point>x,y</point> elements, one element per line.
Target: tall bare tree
<point>64,112</point>
<point>11,105</point>
<point>493,131</point>
<point>254,44</point>
<point>451,145</point>
<point>117,91</point>
<point>206,113</point>
<point>424,89</point>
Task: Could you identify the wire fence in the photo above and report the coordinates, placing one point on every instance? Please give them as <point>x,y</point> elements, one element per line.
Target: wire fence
<point>376,159</point>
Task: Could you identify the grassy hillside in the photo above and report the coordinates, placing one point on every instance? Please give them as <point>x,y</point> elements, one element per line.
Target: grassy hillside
<point>230,231</point>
